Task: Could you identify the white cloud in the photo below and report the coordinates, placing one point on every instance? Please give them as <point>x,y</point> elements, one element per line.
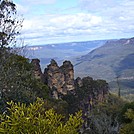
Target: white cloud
<point>118,16</point>
<point>51,26</point>
<point>96,19</point>
<point>79,20</point>
<point>109,9</point>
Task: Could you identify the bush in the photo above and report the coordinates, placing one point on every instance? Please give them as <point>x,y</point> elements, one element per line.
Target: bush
<point>34,119</point>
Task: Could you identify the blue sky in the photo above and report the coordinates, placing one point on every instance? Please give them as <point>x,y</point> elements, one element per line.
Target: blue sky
<point>56,21</point>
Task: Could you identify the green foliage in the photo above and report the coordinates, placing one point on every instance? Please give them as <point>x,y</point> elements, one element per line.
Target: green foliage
<point>128,128</point>
<point>104,117</point>
<point>17,81</point>
<point>59,106</point>
<point>34,119</point>
<point>126,86</point>
<point>127,106</point>
<point>112,105</point>
<point>10,23</point>
<point>86,94</point>
<point>72,102</point>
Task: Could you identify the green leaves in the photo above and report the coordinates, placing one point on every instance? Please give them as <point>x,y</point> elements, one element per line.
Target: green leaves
<point>17,81</point>
<point>128,128</point>
<point>10,24</point>
<point>34,119</point>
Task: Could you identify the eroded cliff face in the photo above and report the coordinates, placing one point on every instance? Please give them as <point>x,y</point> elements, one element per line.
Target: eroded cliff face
<point>79,94</point>
<point>60,79</point>
<point>92,90</point>
<point>37,69</point>
<point>68,71</point>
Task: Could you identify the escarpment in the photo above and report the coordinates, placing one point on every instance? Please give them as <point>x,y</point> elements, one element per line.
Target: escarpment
<point>60,80</point>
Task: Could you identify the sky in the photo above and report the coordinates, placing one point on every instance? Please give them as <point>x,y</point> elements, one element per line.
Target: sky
<point>59,21</point>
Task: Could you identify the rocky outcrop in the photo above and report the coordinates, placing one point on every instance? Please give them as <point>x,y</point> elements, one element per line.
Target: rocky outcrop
<point>60,79</point>
<point>87,93</point>
<point>80,94</point>
<point>91,89</point>
<point>37,69</point>
<point>67,69</point>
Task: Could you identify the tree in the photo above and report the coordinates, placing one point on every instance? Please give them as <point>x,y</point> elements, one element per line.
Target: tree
<point>34,119</point>
<point>104,117</point>
<point>128,128</point>
<point>10,25</point>
<point>17,82</point>
<point>123,119</point>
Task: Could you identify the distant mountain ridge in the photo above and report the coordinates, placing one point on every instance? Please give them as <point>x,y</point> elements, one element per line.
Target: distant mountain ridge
<point>100,59</point>
<point>124,41</point>
<point>111,57</point>
<point>114,58</point>
<point>61,51</point>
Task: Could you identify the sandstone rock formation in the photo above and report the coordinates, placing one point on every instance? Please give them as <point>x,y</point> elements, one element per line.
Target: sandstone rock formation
<point>80,94</point>
<point>67,69</point>
<point>91,90</point>
<point>60,79</point>
<point>37,69</point>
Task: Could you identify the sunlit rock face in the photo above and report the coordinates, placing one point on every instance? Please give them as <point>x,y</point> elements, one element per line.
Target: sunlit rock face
<point>67,69</point>
<point>60,79</point>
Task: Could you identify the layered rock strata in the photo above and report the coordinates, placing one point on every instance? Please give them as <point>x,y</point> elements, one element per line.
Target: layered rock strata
<point>60,79</point>
<point>37,69</point>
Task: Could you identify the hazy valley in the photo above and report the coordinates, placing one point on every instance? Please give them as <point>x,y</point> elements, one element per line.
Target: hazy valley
<point>62,51</point>
<point>102,59</point>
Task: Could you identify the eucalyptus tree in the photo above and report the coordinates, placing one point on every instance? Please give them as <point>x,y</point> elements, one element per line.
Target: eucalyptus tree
<point>10,23</point>
<point>16,79</point>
